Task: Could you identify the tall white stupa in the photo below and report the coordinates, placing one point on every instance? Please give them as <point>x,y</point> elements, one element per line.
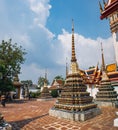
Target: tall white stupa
<point>110,11</point>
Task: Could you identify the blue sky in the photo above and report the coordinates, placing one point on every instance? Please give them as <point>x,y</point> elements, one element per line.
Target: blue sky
<point>43,28</point>
<point>85,14</point>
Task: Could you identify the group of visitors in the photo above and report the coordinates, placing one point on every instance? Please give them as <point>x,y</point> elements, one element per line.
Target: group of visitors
<point>8,97</point>
<point>4,98</point>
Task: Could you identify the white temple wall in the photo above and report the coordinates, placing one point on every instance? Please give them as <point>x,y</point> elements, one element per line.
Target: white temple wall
<point>92,90</point>
<point>115,43</point>
<point>21,96</point>
<point>116,88</point>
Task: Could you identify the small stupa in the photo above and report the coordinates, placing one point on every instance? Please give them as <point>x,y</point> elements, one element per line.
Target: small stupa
<point>74,103</point>
<point>106,96</point>
<point>45,94</point>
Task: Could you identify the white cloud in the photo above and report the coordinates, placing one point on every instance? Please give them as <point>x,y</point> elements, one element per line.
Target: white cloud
<point>88,51</point>
<point>49,34</point>
<point>41,9</point>
<point>44,50</point>
<point>31,72</point>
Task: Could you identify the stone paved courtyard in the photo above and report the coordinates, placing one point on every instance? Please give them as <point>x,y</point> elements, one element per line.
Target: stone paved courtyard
<point>33,115</point>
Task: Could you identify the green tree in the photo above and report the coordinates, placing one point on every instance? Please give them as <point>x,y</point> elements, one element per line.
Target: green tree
<point>91,67</point>
<point>11,58</point>
<point>54,93</point>
<point>27,82</point>
<point>60,77</point>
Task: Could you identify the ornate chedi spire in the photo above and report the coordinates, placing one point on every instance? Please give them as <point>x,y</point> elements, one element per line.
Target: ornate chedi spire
<point>106,96</point>
<point>74,65</point>
<point>73,57</point>
<point>104,74</point>
<point>103,62</point>
<point>74,103</point>
<point>45,80</point>
<point>45,94</point>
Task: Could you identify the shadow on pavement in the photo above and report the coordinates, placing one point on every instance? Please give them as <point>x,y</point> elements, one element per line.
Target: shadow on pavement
<point>19,101</point>
<point>17,125</point>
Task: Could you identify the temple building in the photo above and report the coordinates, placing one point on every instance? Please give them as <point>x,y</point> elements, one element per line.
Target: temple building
<point>110,11</point>
<point>93,76</point>
<point>74,103</point>
<point>57,85</point>
<point>106,96</point>
<point>45,94</point>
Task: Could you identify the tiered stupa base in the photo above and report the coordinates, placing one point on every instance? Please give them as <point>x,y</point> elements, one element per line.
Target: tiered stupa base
<point>75,103</point>
<point>106,96</point>
<point>75,116</point>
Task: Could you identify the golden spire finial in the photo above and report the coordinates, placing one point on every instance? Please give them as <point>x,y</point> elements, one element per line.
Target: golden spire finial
<point>45,80</point>
<point>46,74</point>
<point>101,9</point>
<point>104,73</point>
<point>72,26</point>
<point>73,58</point>
<point>74,65</point>
<point>103,62</point>
<point>66,67</point>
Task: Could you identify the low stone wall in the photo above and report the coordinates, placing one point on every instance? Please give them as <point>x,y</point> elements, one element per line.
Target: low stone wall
<point>75,116</point>
<point>85,115</point>
<point>44,99</point>
<point>111,104</point>
<point>61,114</point>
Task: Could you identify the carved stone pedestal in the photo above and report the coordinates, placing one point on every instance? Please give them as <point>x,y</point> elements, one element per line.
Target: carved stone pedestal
<point>75,116</point>
<point>3,124</point>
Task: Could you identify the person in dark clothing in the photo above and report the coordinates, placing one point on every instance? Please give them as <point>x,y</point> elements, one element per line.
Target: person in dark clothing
<point>29,95</point>
<point>3,100</point>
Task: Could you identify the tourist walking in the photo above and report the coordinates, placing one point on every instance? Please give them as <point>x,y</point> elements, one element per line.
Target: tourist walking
<point>29,95</point>
<point>3,100</point>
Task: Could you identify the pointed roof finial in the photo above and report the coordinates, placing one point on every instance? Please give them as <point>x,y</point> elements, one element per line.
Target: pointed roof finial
<point>101,9</point>
<point>46,74</point>
<point>73,58</point>
<point>103,62</point>
<point>104,3</point>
